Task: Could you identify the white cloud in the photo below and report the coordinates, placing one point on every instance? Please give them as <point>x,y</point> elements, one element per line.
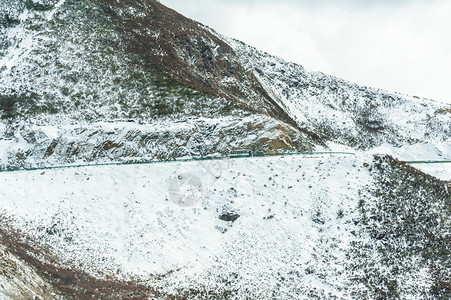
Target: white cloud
<point>402,45</point>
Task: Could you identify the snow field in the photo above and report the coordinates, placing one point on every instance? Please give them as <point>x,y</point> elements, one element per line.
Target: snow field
<point>294,215</point>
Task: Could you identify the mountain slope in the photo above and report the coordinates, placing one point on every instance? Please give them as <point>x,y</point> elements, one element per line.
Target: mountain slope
<point>346,113</point>
<point>130,81</point>
<point>71,64</point>
<point>321,227</point>
<point>84,62</point>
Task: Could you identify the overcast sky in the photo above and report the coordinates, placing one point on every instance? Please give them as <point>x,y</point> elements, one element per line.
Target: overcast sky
<point>398,45</point>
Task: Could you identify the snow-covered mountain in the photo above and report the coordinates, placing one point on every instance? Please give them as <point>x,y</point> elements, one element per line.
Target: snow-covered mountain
<point>131,80</point>
<point>67,67</point>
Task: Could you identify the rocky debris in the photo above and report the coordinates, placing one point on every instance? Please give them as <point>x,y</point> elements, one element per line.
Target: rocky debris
<point>19,280</point>
<point>229,217</point>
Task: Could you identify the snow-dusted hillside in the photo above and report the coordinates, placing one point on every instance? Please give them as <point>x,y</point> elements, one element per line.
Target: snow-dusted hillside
<point>259,227</point>
<point>86,81</point>
<point>422,153</point>
<point>343,112</point>
<point>73,64</point>
<point>66,68</point>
